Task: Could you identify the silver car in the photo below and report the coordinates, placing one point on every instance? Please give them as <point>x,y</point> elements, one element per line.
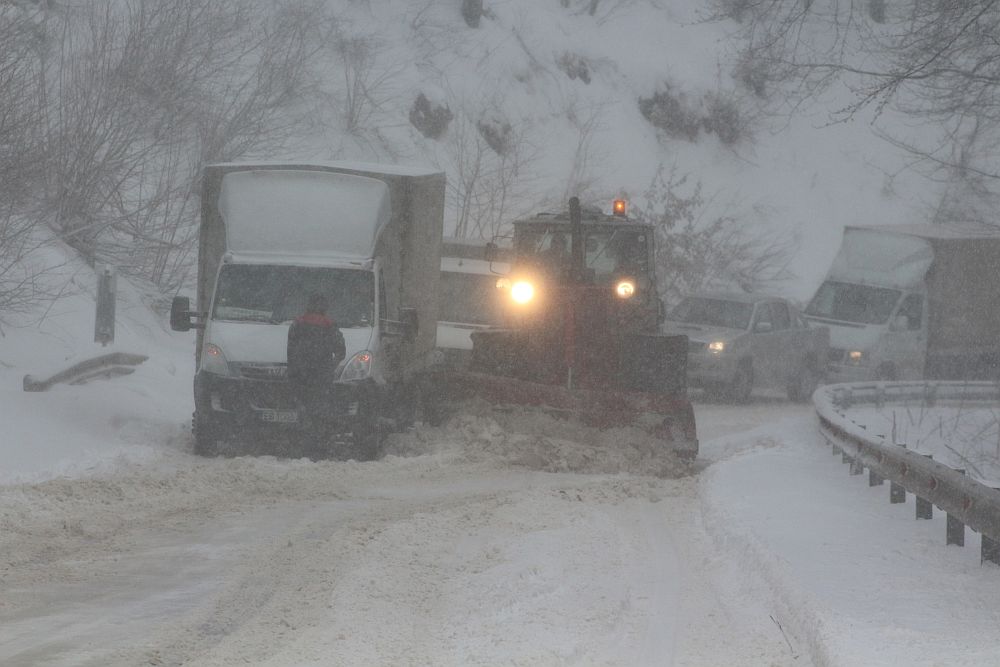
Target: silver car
<point>739,342</point>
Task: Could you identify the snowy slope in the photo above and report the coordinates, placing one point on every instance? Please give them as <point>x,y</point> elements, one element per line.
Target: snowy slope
<point>802,175</point>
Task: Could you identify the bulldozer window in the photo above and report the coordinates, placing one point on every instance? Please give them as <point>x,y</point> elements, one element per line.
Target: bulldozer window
<point>608,253</point>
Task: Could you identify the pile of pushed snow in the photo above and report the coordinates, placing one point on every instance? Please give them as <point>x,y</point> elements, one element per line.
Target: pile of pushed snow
<point>538,441</point>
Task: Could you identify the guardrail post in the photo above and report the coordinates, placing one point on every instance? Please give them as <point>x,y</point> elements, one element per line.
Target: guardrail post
<point>856,466</point>
<point>925,510</point>
<point>897,494</point>
<point>874,479</point>
<point>955,529</point>
<point>989,550</point>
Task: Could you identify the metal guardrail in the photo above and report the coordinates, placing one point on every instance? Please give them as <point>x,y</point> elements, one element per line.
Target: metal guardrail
<point>967,501</point>
<point>106,365</point>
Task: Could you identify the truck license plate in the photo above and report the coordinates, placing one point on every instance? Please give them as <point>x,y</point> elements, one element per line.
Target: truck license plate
<point>280,416</point>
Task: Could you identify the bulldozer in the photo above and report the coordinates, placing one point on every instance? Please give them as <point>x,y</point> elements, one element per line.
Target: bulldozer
<point>580,337</point>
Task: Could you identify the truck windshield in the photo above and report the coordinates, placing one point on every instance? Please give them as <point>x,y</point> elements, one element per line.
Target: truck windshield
<point>861,304</point>
<point>277,294</point>
<point>712,312</point>
<point>608,254</point>
<point>469,298</point>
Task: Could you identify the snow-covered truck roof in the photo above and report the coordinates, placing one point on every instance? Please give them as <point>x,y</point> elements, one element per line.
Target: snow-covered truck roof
<point>335,215</point>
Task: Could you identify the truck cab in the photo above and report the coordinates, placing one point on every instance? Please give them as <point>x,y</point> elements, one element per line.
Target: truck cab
<point>912,301</point>
<point>367,238</point>
<point>615,267</point>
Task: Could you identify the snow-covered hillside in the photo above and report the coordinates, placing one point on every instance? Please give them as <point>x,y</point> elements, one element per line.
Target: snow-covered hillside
<point>586,136</point>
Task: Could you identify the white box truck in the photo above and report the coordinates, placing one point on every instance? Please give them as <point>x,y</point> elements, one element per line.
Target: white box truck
<point>469,297</point>
<point>912,302</point>
<point>366,236</point>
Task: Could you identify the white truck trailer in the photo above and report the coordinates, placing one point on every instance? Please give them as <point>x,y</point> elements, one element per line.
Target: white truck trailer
<point>369,238</point>
<point>912,302</point>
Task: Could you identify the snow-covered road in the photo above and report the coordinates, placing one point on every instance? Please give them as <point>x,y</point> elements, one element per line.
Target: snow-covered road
<point>462,550</point>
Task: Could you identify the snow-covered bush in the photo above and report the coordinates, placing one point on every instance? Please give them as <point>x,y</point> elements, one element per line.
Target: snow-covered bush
<point>430,119</point>
<point>672,111</point>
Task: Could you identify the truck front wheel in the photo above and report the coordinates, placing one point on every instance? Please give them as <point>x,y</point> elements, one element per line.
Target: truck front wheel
<point>804,383</point>
<point>741,386</point>
<point>206,436</point>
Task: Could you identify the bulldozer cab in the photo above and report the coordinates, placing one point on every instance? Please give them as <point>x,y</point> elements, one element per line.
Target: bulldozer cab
<point>580,331</point>
<point>609,251</point>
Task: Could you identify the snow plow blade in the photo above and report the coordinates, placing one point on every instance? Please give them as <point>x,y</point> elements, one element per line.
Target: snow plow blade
<point>667,418</point>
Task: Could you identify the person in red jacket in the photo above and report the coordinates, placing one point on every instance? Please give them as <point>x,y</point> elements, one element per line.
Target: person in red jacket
<point>315,349</point>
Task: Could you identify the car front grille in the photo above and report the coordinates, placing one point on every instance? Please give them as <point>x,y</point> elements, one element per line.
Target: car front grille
<point>696,346</point>
<point>835,355</point>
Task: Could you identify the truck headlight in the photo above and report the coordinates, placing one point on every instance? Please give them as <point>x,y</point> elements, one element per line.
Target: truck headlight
<point>856,357</point>
<point>522,291</point>
<point>625,289</point>
<point>717,346</point>
<point>357,367</point>
<point>213,360</point>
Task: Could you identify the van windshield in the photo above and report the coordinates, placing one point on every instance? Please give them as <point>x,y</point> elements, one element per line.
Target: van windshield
<point>469,298</point>
<point>277,294</point>
<point>847,302</point>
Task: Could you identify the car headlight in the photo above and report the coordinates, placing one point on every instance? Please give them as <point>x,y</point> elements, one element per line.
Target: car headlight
<point>856,357</point>
<point>213,360</point>
<point>625,289</point>
<point>522,291</point>
<point>357,367</point>
<point>717,346</point>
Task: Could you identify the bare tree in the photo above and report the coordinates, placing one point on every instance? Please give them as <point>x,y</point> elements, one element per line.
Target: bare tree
<point>486,178</point>
<point>21,43</point>
<point>587,124</point>
<point>938,61</point>
<point>140,93</point>
<point>368,78</point>
<point>697,250</point>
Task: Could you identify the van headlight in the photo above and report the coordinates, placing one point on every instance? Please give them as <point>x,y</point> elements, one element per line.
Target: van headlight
<point>717,346</point>
<point>357,367</point>
<point>214,361</point>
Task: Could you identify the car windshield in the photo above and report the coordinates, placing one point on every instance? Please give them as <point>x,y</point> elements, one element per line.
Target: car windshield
<point>608,253</point>
<point>713,312</point>
<point>277,294</point>
<point>470,298</point>
<point>861,304</point>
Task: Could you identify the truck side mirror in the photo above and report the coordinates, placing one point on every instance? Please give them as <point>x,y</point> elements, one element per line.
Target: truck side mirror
<point>901,323</point>
<point>491,252</point>
<point>180,313</point>
<point>411,323</point>
<point>763,327</point>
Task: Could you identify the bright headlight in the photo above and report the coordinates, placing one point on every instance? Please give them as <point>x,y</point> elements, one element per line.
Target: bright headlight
<point>522,291</point>
<point>855,356</point>
<point>625,289</point>
<point>213,360</point>
<point>717,346</point>
<point>357,367</point>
